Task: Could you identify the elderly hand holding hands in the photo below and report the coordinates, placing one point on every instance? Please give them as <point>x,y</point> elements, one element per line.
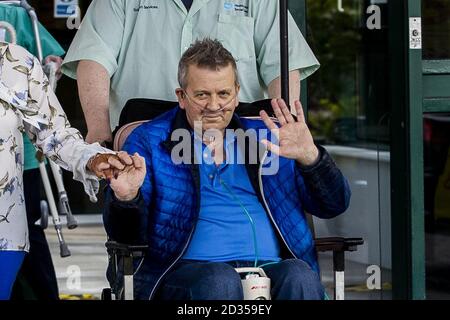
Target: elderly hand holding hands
<point>125,173</point>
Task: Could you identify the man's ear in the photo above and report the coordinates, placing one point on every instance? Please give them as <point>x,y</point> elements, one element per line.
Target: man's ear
<point>181,98</point>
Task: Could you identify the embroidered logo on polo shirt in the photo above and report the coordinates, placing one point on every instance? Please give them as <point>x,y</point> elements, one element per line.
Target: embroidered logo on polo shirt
<point>145,7</point>
<point>230,6</point>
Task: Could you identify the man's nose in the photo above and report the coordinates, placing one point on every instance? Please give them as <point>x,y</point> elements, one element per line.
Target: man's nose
<point>214,104</point>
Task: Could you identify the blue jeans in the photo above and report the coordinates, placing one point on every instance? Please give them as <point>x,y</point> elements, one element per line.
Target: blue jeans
<point>195,280</point>
<point>10,262</point>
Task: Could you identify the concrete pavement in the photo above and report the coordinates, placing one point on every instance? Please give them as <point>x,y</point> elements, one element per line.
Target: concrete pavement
<point>84,271</point>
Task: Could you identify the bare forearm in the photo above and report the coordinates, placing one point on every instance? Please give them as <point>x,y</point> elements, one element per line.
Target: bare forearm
<point>294,87</point>
<point>93,88</point>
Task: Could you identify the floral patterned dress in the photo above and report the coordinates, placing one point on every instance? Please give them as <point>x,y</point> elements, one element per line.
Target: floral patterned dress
<point>27,104</point>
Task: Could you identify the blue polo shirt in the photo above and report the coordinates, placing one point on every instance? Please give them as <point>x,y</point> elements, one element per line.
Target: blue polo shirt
<point>224,230</point>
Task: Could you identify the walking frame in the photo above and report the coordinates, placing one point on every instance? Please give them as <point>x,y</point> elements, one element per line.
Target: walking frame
<point>63,200</point>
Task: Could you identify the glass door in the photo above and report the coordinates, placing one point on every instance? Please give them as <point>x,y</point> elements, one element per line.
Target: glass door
<point>380,103</point>
<point>436,120</point>
<point>349,110</point>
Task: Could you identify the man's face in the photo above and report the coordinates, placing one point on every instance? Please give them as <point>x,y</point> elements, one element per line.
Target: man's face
<point>210,97</point>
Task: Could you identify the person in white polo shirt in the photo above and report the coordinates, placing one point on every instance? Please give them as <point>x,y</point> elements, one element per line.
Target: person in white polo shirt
<point>128,49</point>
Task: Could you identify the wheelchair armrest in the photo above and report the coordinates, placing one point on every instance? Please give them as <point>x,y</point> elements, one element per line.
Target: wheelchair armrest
<point>338,244</point>
<point>125,250</point>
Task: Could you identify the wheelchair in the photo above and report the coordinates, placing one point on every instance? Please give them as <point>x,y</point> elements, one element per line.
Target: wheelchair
<point>122,256</point>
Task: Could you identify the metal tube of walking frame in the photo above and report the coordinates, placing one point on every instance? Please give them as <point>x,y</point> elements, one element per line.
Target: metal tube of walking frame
<point>64,207</point>
<point>57,174</point>
<point>34,22</point>
<point>64,250</point>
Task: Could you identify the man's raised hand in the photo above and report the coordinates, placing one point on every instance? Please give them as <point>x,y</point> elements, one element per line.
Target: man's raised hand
<point>295,139</point>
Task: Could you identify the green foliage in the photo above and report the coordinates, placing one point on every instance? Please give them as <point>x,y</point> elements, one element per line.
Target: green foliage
<point>336,39</point>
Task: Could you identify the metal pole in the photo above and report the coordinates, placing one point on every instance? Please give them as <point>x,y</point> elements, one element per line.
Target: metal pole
<point>64,250</point>
<point>10,29</point>
<point>24,4</point>
<point>339,277</point>
<point>284,49</point>
<point>57,173</point>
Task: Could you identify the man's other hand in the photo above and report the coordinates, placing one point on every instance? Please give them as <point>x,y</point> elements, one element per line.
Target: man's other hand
<point>127,182</point>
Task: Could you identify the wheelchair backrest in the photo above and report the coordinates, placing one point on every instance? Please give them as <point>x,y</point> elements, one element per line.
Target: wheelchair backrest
<point>123,133</point>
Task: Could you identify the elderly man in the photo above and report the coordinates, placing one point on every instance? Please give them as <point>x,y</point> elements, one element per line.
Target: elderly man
<point>208,214</point>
